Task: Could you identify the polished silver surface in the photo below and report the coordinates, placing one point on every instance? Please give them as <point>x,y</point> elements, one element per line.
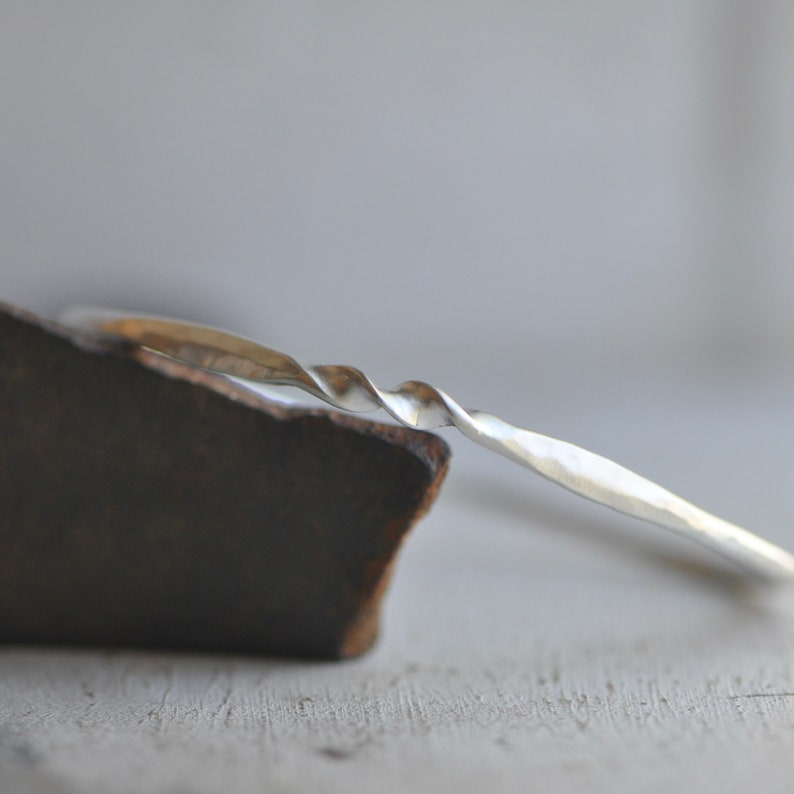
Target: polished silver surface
<point>420,405</point>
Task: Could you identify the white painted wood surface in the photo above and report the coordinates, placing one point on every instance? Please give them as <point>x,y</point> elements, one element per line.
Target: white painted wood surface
<point>530,643</point>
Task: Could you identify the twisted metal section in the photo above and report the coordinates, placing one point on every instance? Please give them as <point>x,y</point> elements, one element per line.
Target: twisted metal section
<point>422,406</point>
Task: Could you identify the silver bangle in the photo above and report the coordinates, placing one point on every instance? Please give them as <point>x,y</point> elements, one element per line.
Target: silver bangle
<point>422,406</point>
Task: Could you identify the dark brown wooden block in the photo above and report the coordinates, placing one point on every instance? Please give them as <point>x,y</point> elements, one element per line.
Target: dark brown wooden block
<point>146,504</point>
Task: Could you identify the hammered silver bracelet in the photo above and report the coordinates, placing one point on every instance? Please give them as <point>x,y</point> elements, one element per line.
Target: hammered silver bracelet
<point>422,406</point>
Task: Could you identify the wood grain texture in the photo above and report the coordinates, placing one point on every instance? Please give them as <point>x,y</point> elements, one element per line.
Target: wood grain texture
<point>531,643</point>
<point>148,504</point>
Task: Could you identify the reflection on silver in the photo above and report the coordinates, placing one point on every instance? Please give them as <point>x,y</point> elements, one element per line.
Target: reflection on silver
<point>422,406</point>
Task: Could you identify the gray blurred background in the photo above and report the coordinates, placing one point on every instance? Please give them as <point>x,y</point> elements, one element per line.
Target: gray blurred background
<point>565,183</point>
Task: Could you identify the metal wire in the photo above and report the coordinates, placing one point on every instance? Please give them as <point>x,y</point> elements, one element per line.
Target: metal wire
<point>420,405</point>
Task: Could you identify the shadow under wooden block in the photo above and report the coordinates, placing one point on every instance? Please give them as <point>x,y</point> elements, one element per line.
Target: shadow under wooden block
<point>148,504</point>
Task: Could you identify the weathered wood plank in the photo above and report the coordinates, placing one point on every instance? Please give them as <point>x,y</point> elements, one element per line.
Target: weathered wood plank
<point>147,504</point>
